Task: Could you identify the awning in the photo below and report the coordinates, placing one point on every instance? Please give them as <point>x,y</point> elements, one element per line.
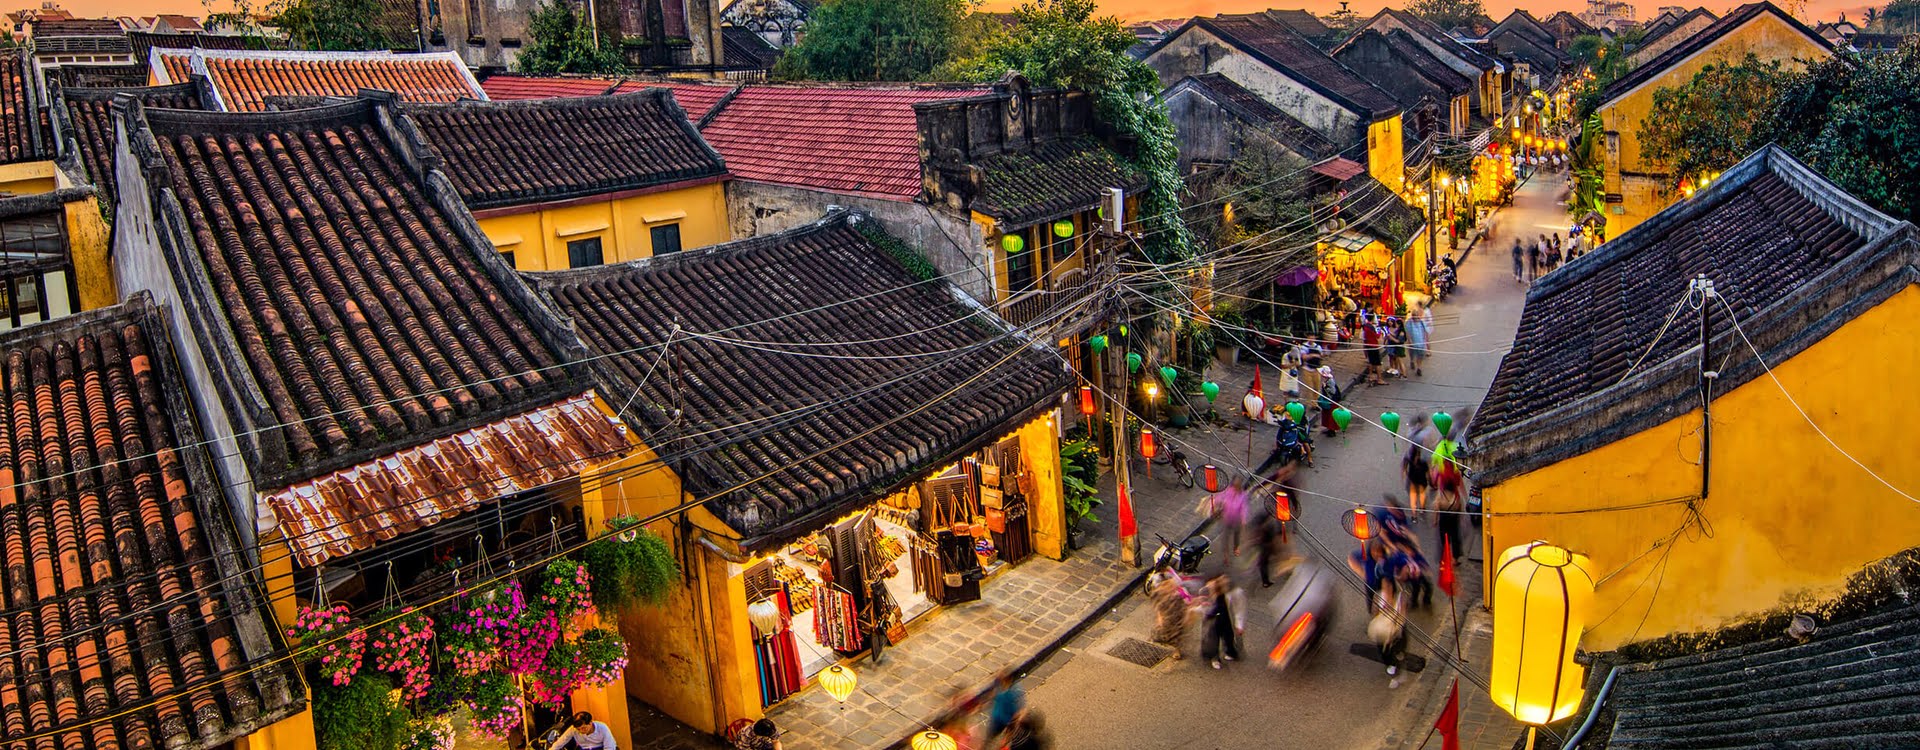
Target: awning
<point>1297,275</point>
<point>1349,241</point>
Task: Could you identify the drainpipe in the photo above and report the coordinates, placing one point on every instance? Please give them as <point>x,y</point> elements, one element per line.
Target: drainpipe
<point>1599,698</point>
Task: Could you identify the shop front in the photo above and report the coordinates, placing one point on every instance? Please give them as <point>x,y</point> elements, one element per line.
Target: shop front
<point>1357,266</point>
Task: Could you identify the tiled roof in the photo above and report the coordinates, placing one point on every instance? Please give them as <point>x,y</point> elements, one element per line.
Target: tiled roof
<point>698,99</point>
<point>82,45</point>
<point>1701,40</point>
<point>77,27</point>
<point>1851,684</point>
<point>745,48</point>
<point>1439,37</point>
<point>1301,22</point>
<point>18,115</point>
<point>180,23</point>
<point>1428,66</point>
<point>1544,59</point>
<point>515,153</point>
<point>243,81</point>
<point>367,310</point>
<point>1297,136</point>
<point>145,41</point>
<point>87,121</point>
<point>1340,169</point>
<point>1291,54</point>
<point>1400,66</point>
<point>1763,233</point>
<point>99,76</point>
<point>129,612</point>
<point>861,140</point>
<point>907,388</point>
<point>1565,22</point>
<point>1653,36</point>
<point>1524,23</point>
<point>1050,180</point>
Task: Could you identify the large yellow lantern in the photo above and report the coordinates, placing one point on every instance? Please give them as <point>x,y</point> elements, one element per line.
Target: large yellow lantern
<point>1541,594</point>
<point>839,682</point>
<point>932,740</point>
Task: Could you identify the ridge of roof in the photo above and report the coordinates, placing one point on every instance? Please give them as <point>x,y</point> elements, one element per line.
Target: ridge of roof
<point>1522,21</point>
<point>1439,36</point>
<point>1282,49</point>
<point>1819,257</point>
<point>1701,40</point>
<point>83,118</point>
<point>1655,36</point>
<point>244,79</point>
<point>1418,59</point>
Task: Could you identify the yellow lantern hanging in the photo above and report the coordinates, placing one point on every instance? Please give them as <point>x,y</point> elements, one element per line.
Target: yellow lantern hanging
<point>932,740</point>
<point>1541,594</point>
<point>839,682</point>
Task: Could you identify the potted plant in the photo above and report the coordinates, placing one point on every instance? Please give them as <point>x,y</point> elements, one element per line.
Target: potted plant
<point>1079,481</point>
<point>1233,320</point>
<point>634,567</point>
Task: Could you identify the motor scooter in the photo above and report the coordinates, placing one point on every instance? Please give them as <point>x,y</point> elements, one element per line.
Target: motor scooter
<point>1181,562</point>
<point>1302,611</point>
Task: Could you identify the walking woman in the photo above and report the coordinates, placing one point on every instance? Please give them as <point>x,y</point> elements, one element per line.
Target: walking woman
<point>1220,637</point>
<point>1396,348</point>
<point>1169,615</point>
<point>1419,329</point>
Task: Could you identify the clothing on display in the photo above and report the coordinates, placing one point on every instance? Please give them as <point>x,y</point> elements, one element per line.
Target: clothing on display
<point>836,623</point>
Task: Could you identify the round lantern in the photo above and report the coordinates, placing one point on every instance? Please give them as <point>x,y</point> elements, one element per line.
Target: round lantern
<point>932,740</point>
<point>765,616</point>
<point>1098,343</point>
<point>1134,361</point>
<point>1391,421</point>
<point>1168,373</point>
<point>1443,422</point>
<point>1211,476</point>
<point>1342,417</point>
<point>1147,448</point>
<point>839,682</point>
<point>1012,243</point>
<point>1296,410</point>
<point>1256,407</point>
<point>1211,390</point>
<point>1541,594</point>
<point>1063,228</point>
<point>1284,508</point>
<point>1086,400</point>
<point>1357,523</point>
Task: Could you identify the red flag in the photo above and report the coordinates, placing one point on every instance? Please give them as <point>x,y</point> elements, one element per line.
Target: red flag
<point>1446,564</point>
<point>1449,721</point>
<point>1127,526</point>
<point>1255,388</point>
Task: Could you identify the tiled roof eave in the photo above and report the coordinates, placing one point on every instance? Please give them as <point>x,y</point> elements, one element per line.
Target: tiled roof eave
<point>884,195</point>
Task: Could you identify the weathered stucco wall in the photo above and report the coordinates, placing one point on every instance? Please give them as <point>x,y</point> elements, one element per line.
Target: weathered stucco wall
<point>1197,51</point>
<point>954,244</point>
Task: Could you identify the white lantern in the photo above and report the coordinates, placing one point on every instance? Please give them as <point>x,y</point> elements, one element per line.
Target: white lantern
<point>1256,407</point>
<point>765,616</point>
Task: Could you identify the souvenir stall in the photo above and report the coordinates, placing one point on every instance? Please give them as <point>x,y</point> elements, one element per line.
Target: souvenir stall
<point>1361,268</point>
<point>854,585</point>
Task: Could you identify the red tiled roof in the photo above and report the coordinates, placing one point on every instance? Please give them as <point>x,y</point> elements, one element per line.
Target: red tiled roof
<point>17,115</point>
<point>123,589</point>
<point>366,321</point>
<point>356,508</point>
<point>858,140</point>
<point>696,98</point>
<point>1340,168</point>
<point>245,80</point>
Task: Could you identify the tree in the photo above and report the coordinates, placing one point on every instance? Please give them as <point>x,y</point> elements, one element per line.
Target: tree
<point>334,25</point>
<point>1448,14</point>
<point>881,40</point>
<point>1061,43</point>
<point>1342,22</point>
<point>1707,124</point>
<point>563,42</point>
<point>1901,17</point>
<point>1866,144</point>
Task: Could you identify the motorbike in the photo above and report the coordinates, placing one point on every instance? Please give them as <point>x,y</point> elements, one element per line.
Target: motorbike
<point>1302,611</point>
<point>1443,282</point>
<point>1183,557</point>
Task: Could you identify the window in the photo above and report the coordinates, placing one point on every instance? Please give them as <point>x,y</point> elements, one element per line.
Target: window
<point>507,255</point>
<point>1063,247</point>
<point>666,239</point>
<point>36,276</point>
<point>584,253</point>
<point>1020,276</point>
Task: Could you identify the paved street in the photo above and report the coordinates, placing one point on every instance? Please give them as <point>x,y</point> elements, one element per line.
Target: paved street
<point>1340,700</point>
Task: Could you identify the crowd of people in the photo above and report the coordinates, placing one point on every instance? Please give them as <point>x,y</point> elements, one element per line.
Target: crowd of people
<point>1532,260</point>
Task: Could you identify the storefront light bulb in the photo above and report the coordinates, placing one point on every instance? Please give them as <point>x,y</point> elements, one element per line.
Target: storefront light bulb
<point>1153,391</point>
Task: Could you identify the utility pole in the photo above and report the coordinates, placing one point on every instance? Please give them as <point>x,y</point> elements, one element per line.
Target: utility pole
<point>1707,376</point>
<point>1433,200</point>
<point>1117,397</point>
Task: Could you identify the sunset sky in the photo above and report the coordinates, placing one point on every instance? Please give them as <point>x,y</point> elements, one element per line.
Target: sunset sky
<point>1817,10</point>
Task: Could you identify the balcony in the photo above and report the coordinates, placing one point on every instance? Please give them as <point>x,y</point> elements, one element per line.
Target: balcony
<point>1067,309</point>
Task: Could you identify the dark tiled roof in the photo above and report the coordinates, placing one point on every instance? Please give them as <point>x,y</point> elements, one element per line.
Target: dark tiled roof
<point>89,128</point>
<point>1400,66</point>
<point>907,391</point>
<point>1050,180</point>
<point>1764,232</point>
<point>1377,211</point>
<point>1701,40</point>
<point>1866,42</point>
<point>359,303</point>
<point>1545,60</point>
<point>745,48</point>
<point>1441,38</point>
<point>1293,55</point>
<point>1428,66</point>
<point>1654,36</point>
<point>515,153</point>
<point>18,115</point>
<point>1523,22</point>
<point>77,27</point>
<point>1569,25</point>
<point>1297,136</point>
<point>861,140</point>
<point>1303,23</point>
<point>125,591</point>
<point>1852,684</point>
<point>145,41</point>
<point>99,76</point>
<point>244,80</point>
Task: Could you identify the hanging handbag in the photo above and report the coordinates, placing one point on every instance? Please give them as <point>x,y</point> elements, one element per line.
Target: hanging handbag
<point>980,528</point>
<point>997,520</point>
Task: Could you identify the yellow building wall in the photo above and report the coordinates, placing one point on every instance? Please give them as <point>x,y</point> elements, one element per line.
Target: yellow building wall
<point>292,733</point>
<point>538,237</point>
<point>1767,36</point>
<point>1386,153</point>
<point>1047,508</point>
<point>1045,269</point>
<point>87,237</point>
<point>1790,517</point>
<point>29,178</point>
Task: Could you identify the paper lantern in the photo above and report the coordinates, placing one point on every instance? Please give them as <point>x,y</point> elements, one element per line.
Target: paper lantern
<point>839,682</point>
<point>1168,373</point>
<point>1357,523</point>
<point>1283,507</point>
<point>1133,361</point>
<point>1210,475</point>
<point>1098,343</point>
<point>1211,390</point>
<point>1342,417</point>
<point>932,740</point>
<point>1063,228</point>
<point>1297,410</point>
<point>1541,597</point>
<point>765,616</point>
<point>1123,330</point>
<point>1443,422</point>
<point>1012,243</point>
<point>1147,448</point>
<point>1255,407</point>
<point>1391,421</point>
<point>1086,400</point>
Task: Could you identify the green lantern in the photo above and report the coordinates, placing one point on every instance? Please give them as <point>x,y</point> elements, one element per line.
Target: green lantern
<point>1133,362</point>
<point>1297,411</point>
<point>1167,373</point>
<point>1098,343</point>
<point>1443,422</point>
<point>1063,228</point>
<point>1211,389</point>
<point>1390,420</point>
<point>1342,417</point>
<point>1012,243</point>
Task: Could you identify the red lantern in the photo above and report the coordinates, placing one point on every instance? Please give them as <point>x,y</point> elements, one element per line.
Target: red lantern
<point>1147,447</point>
<point>1212,475</point>
<point>1358,523</point>
<point>1282,506</point>
<point>1086,400</point>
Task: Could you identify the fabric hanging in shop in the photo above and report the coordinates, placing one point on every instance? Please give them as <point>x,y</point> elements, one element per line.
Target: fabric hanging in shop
<point>779,658</point>
<point>836,623</point>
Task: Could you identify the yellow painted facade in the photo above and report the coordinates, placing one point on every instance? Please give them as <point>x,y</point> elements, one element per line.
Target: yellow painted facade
<point>29,178</point>
<point>1789,517</point>
<point>537,235</point>
<point>87,243</point>
<point>1644,188</point>
<point>1050,257</point>
<point>1386,153</point>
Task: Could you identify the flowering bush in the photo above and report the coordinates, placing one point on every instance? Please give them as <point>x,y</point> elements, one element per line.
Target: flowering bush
<point>431,733</point>
<point>495,703</point>
<point>470,648</point>
<point>603,656</point>
<point>568,590</point>
<point>401,646</point>
<point>340,644</point>
<point>595,658</point>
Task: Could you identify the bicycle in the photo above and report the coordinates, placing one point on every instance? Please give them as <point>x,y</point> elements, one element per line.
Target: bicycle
<point>1182,468</point>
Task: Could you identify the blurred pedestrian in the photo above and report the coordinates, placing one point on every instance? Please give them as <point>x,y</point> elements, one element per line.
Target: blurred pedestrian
<point>1029,733</point>
<point>1533,257</point>
<point>1519,259</point>
<point>1009,702</point>
<point>1419,331</point>
<point>1220,634</point>
<point>1418,474</point>
<point>1170,614</point>
<point>1373,339</point>
<point>762,735</point>
<point>1396,347</point>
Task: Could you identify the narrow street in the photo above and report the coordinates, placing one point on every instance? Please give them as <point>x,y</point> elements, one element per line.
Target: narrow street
<point>1339,699</point>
